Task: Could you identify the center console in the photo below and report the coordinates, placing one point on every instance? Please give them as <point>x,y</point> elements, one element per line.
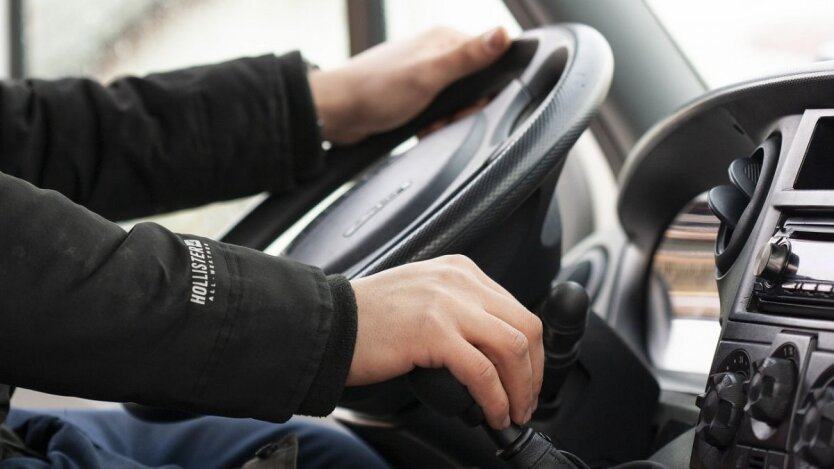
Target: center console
<point>769,399</point>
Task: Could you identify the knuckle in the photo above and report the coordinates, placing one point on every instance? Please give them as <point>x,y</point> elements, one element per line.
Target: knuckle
<point>453,274</point>
<point>536,327</point>
<point>486,372</point>
<point>519,346</point>
<point>472,55</point>
<point>455,259</point>
<point>447,274</point>
<point>464,260</point>
<point>431,320</point>
<point>537,381</point>
<point>422,83</point>
<point>501,407</point>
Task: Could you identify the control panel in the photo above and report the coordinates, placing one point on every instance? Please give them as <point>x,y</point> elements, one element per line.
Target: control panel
<point>769,399</point>
<point>748,405</point>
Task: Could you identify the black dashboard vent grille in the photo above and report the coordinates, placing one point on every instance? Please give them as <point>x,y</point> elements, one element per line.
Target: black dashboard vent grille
<point>737,205</point>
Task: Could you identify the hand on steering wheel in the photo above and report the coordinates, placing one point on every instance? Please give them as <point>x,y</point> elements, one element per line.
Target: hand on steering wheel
<point>446,312</point>
<point>387,85</point>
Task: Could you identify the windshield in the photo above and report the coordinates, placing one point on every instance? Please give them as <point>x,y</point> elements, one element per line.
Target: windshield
<point>729,42</point>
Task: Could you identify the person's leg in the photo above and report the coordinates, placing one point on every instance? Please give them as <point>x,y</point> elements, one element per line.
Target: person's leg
<point>207,442</point>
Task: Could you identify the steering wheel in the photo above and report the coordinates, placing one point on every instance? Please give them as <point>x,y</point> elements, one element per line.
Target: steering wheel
<point>460,183</point>
<point>482,186</point>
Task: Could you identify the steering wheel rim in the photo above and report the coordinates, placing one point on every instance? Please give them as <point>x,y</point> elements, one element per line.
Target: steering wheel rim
<point>501,174</point>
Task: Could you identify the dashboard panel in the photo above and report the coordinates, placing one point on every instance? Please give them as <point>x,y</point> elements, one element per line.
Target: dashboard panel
<point>767,149</point>
<point>769,400</point>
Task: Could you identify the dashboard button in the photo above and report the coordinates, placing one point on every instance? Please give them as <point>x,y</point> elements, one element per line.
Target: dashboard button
<point>738,458</point>
<point>771,390</point>
<point>825,287</point>
<point>809,287</point>
<point>775,460</point>
<point>790,286</point>
<point>815,444</point>
<point>757,458</point>
<point>722,408</point>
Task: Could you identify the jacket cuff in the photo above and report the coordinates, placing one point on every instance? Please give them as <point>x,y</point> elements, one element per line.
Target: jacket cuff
<point>305,140</point>
<point>326,388</point>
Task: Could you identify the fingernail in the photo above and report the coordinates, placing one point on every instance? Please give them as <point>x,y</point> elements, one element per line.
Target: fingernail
<point>495,39</point>
<point>529,415</point>
<point>505,423</point>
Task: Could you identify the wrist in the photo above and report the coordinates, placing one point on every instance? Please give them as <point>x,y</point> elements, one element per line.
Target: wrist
<point>333,105</point>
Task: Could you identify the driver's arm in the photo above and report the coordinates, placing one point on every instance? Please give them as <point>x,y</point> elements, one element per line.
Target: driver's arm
<point>180,321</point>
<point>168,141</point>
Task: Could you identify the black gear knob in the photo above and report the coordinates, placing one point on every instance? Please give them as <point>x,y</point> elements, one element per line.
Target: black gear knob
<point>521,447</point>
<point>564,316</point>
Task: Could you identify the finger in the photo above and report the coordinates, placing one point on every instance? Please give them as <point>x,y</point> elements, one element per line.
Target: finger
<point>502,305</point>
<point>509,310</point>
<point>475,371</point>
<point>462,114</point>
<point>508,349</point>
<point>475,54</point>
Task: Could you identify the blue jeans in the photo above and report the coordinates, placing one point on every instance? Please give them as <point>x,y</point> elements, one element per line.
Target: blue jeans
<point>114,438</point>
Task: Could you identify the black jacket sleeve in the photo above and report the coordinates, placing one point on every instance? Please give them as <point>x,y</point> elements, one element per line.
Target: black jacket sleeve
<point>150,316</point>
<point>166,141</point>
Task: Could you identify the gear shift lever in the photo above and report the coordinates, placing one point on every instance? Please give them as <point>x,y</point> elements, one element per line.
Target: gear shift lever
<point>521,447</point>
<point>563,316</point>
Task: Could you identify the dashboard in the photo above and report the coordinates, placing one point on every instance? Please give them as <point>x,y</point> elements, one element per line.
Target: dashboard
<point>769,400</point>
<point>767,150</point>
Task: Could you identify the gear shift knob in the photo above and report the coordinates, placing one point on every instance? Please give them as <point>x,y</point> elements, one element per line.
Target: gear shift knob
<point>521,447</point>
<point>563,316</point>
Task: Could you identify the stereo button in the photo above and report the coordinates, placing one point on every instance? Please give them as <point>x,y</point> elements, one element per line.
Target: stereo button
<point>825,288</point>
<point>790,286</point>
<point>809,287</point>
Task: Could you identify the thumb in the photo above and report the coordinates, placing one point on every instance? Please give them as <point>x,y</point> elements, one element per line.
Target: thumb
<point>476,53</point>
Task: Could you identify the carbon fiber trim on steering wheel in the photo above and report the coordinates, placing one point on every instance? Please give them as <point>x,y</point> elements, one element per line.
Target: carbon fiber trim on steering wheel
<point>534,150</point>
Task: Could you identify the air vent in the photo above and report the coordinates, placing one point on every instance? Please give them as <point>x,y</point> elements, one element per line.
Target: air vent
<point>738,204</point>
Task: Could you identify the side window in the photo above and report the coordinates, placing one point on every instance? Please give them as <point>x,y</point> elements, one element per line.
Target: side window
<point>685,292</point>
<point>107,38</point>
<point>406,17</point>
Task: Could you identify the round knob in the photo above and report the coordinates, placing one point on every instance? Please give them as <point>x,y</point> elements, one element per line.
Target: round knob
<point>722,407</point>
<point>564,317</point>
<point>771,390</point>
<point>774,260</point>
<point>815,443</point>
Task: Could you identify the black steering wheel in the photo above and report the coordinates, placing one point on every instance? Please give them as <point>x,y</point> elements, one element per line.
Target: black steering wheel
<point>482,186</point>
<point>460,183</point>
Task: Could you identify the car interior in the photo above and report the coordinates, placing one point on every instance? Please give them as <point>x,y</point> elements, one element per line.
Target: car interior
<point>669,231</point>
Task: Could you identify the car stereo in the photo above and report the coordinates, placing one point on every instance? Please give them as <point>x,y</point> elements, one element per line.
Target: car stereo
<point>795,270</point>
